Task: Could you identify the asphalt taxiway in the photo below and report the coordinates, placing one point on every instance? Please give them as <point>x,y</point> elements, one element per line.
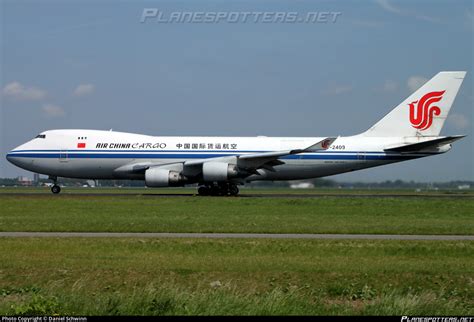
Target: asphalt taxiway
<point>244,195</point>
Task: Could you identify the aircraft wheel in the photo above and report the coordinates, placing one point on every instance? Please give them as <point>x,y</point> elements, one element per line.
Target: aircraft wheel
<point>204,191</point>
<point>234,190</point>
<point>224,191</point>
<point>216,191</point>
<point>55,189</point>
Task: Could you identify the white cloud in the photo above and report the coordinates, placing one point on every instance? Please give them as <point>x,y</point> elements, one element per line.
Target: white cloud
<point>387,6</point>
<point>17,91</point>
<point>53,110</point>
<point>415,82</point>
<point>390,86</point>
<point>84,89</point>
<point>459,121</point>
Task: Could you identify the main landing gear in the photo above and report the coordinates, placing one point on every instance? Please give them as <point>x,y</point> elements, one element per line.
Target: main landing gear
<point>55,188</point>
<point>219,190</point>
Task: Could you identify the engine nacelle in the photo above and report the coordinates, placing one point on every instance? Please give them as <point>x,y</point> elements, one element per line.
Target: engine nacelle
<point>156,177</point>
<point>218,171</point>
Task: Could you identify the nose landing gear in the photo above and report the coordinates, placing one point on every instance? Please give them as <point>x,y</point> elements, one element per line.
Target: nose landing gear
<point>228,189</point>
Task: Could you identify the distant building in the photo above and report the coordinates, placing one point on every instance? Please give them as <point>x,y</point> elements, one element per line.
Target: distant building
<point>36,178</point>
<point>464,186</point>
<point>24,181</point>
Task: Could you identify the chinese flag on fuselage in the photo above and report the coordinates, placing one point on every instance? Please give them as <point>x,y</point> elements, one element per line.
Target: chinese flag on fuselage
<point>81,145</point>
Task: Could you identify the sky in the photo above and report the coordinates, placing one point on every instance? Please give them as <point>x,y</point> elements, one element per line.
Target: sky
<point>98,65</point>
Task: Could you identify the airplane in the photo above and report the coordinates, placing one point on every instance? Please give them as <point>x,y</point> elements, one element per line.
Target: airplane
<point>220,164</point>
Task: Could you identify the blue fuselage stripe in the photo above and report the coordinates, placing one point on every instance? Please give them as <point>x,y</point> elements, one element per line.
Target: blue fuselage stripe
<point>176,151</point>
<point>185,155</point>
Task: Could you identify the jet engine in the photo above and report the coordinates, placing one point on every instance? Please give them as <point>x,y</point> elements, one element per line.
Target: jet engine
<point>219,171</point>
<point>157,177</point>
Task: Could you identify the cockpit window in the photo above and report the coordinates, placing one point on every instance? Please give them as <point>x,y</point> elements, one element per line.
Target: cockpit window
<point>41,136</point>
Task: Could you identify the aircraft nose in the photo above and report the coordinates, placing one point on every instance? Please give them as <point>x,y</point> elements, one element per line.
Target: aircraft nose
<point>11,156</point>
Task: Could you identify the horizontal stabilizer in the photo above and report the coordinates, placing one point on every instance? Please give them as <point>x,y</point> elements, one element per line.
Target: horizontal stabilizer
<point>426,144</point>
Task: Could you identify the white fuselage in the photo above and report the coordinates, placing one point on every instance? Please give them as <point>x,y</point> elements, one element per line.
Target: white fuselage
<point>93,154</point>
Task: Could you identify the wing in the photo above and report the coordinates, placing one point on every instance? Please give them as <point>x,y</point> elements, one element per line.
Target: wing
<point>247,163</point>
<point>269,159</point>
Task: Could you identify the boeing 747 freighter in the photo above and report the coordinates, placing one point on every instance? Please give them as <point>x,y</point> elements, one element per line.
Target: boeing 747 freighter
<point>219,164</point>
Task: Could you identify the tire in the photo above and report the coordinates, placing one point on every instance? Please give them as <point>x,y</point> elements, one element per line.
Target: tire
<point>215,191</point>
<point>203,191</point>
<point>55,189</point>
<point>224,191</point>
<point>234,190</point>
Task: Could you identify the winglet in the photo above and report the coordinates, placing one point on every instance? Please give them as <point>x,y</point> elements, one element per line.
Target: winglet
<point>321,145</point>
<point>269,156</point>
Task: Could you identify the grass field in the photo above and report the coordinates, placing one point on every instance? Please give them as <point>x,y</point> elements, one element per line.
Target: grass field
<point>196,276</point>
<point>142,213</point>
<point>129,276</point>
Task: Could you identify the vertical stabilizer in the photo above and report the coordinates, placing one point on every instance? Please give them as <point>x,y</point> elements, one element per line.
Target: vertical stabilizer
<point>424,112</point>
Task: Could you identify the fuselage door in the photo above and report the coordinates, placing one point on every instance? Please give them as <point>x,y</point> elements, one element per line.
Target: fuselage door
<point>63,156</point>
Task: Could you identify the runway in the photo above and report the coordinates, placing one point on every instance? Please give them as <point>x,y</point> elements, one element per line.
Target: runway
<point>231,236</point>
<point>245,195</point>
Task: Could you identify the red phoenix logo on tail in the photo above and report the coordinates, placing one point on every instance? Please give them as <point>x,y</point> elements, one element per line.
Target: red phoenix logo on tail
<point>422,118</point>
